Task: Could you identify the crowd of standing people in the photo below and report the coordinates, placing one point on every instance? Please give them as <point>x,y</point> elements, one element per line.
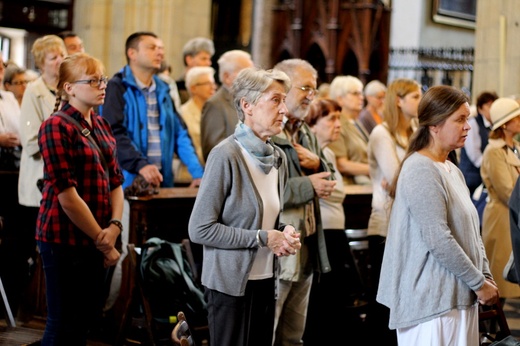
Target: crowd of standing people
<point>270,157</point>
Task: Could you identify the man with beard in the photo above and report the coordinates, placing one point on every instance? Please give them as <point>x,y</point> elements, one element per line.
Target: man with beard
<point>309,175</point>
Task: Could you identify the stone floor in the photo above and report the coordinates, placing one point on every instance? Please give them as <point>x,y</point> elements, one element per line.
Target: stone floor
<point>28,334</point>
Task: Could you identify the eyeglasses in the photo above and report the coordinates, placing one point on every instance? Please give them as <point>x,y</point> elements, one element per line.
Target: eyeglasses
<point>21,82</point>
<point>308,89</point>
<point>355,93</point>
<point>95,83</point>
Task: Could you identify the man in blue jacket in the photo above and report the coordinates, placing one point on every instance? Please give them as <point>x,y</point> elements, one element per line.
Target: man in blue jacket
<point>147,128</point>
<point>145,123</point>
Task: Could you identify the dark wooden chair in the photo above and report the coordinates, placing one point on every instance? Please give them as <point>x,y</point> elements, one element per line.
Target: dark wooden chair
<point>135,300</point>
<point>7,308</point>
<point>181,334</point>
<point>489,319</point>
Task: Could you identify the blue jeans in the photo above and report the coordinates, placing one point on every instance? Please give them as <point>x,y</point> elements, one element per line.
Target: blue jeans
<point>75,291</point>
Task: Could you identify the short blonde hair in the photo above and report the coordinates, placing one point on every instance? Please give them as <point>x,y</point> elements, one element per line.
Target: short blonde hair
<point>45,44</point>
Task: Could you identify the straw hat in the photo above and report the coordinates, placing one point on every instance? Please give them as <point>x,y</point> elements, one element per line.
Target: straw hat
<point>502,110</point>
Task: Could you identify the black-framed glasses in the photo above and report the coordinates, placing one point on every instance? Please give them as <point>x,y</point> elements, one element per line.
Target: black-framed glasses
<point>308,89</point>
<point>20,82</point>
<point>95,82</point>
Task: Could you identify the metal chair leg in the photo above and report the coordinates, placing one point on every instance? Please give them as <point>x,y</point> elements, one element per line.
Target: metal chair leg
<point>9,313</point>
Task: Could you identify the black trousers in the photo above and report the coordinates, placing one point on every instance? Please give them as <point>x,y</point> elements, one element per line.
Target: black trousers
<point>242,321</point>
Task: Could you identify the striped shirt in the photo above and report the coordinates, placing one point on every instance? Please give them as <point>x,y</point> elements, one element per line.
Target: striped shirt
<point>154,128</point>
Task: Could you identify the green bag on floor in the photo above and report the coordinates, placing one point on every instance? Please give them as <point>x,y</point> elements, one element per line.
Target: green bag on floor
<point>169,284</point>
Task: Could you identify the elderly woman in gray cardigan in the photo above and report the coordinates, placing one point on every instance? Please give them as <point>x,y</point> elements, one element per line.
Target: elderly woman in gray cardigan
<point>435,270</point>
<point>235,216</point>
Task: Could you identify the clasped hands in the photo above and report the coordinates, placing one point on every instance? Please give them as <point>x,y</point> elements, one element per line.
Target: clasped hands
<point>488,293</point>
<point>9,140</point>
<point>284,243</point>
<point>105,242</point>
<point>307,158</point>
<point>323,187</point>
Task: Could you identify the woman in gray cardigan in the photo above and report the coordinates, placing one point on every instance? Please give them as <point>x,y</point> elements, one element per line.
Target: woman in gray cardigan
<point>435,271</point>
<point>235,216</point>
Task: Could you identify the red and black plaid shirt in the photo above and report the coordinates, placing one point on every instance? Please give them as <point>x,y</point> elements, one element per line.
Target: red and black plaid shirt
<point>70,159</point>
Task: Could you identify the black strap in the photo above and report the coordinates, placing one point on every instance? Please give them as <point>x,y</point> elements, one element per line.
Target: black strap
<point>85,132</point>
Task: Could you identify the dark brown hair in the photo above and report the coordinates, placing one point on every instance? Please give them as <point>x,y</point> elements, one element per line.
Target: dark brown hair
<point>485,97</point>
<point>133,41</point>
<point>320,108</point>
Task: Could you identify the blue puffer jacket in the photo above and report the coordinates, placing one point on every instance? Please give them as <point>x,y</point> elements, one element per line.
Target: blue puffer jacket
<point>125,108</point>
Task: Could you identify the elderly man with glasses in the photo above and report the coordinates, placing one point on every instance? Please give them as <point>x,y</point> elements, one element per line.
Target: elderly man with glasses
<point>309,175</point>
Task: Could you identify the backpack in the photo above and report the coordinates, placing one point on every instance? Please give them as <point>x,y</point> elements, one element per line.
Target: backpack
<point>169,284</point>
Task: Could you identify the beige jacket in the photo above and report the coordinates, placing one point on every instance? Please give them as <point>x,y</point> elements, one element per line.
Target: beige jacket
<point>37,105</point>
<point>499,171</point>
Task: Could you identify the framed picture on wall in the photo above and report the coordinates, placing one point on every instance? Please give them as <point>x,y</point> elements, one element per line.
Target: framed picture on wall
<point>462,13</point>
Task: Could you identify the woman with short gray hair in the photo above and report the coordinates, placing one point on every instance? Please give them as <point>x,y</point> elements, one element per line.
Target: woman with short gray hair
<point>351,147</point>
<point>200,82</point>
<point>235,216</point>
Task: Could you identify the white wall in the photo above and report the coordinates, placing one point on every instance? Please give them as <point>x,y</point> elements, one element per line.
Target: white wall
<point>412,26</point>
<point>17,44</point>
<point>405,25</point>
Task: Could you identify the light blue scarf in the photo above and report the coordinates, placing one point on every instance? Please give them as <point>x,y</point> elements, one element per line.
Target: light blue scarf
<point>262,151</point>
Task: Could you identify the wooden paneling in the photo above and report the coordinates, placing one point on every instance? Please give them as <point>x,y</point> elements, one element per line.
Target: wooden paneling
<point>166,215</point>
<point>338,37</point>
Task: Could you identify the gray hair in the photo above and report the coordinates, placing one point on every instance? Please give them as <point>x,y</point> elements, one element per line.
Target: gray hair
<point>228,62</point>
<point>341,85</point>
<point>374,87</point>
<point>252,82</point>
<point>193,75</point>
<point>197,45</point>
<point>290,67</point>
<point>11,71</point>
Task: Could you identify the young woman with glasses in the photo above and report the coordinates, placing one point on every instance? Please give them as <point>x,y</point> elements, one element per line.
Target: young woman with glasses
<point>80,214</point>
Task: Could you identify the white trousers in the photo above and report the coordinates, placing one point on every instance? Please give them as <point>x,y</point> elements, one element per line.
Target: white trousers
<point>455,328</point>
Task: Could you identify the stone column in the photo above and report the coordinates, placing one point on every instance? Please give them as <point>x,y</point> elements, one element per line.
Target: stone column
<point>262,31</point>
<point>497,53</point>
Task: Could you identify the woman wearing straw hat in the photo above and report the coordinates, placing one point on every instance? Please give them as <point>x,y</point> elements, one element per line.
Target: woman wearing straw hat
<point>500,169</point>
